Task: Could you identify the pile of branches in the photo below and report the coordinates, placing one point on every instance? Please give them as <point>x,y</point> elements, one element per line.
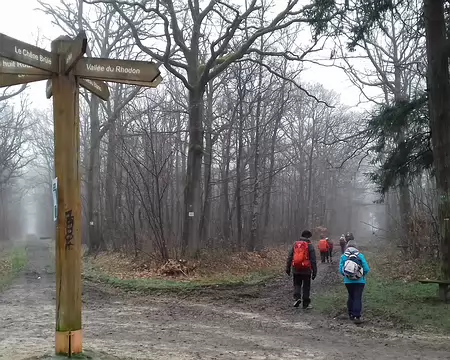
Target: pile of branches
<point>176,268</point>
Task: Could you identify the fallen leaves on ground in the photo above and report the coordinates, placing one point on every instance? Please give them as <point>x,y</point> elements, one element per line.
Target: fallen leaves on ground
<point>393,265</point>
<point>208,265</point>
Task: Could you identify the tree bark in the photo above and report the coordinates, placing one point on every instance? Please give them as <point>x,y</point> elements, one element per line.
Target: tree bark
<point>225,208</point>
<point>309,212</point>
<point>109,189</point>
<point>439,108</point>
<point>399,97</point>
<point>239,163</point>
<point>280,113</point>
<point>254,242</point>
<point>206,213</point>
<point>93,177</point>
<point>193,174</point>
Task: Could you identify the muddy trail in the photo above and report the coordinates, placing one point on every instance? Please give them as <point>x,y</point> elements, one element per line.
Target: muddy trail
<point>256,322</point>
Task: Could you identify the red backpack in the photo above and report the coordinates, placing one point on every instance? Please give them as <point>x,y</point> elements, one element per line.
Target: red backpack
<point>323,245</point>
<point>301,260</point>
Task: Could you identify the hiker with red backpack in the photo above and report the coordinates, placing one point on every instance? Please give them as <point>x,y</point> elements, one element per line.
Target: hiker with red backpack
<point>302,262</point>
<point>324,249</point>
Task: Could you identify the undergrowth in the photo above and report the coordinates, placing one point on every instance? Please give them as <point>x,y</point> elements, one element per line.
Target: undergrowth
<point>213,270</point>
<point>11,264</point>
<point>180,285</point>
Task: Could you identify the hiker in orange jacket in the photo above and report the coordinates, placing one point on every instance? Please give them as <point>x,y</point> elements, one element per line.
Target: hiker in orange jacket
<point>324,249</point>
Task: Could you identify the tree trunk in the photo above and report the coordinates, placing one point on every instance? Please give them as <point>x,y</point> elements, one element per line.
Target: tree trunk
<point>439,107</point>
<point>399,97</point>
<point>110,232</point>
<point>239,167</point>
<point>192,206</point>
<point>225,208</point>
<point>179,178</point>
<point>309,215</point>
<point>254,242</point>
<point>272,153</point>
<point>93,181</point>
<point>206,214</point>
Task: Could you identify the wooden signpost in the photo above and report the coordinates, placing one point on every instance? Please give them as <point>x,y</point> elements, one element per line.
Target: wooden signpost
<point>65,69</point>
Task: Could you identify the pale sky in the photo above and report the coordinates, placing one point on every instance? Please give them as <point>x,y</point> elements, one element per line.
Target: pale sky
<point>20,19</point>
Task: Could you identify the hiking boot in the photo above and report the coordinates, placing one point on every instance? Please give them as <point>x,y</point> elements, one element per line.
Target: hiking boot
<point>357,320</point>
<point>297,303</point>
<point>309,307</point>
<point>351,317</point>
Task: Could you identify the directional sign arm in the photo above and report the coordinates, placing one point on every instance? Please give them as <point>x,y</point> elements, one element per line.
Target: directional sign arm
<point>28,54</point>
<point>98,88</point>
<point>117,70</point>
<point>14,67</point>
<point>75,52</point>
<point>18,79</point>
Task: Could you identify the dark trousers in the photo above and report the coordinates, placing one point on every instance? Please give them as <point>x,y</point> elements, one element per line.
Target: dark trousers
<point>302,282</point>
<point>330,254</point>
<point>354,302</point>
<point>324,256</point>
<point>342,247</point>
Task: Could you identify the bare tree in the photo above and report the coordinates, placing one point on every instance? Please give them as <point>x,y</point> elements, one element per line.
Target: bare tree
<point>107,33</point>
<point>13,140</point>
<point>183,29</point>
<point>14,158</point>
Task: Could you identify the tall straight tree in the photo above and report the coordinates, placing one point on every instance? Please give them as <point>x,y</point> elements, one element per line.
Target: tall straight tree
<point>439,108</point>
<point>183,28</point>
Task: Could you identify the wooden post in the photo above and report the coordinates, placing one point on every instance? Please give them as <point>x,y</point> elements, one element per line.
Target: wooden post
<point>66,68</point>
<point>68,228</point>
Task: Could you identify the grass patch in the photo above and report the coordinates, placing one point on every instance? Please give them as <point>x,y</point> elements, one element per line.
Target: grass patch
<point>393,302</point>
<point>171,285</point>
<point>11,264</point>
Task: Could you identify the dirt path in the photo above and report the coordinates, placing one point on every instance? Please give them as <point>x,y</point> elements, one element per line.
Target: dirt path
<point>247,323</point>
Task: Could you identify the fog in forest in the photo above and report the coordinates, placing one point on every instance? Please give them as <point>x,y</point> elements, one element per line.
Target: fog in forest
<point>342,198</point>
<point>211,135</point>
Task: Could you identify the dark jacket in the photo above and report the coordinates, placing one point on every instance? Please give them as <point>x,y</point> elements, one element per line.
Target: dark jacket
<point>312,258</point>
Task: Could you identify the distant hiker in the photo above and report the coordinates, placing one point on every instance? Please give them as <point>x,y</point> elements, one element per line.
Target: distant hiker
<point>349,237</point>
<point>354,267</point>
<point>330,249</point>
<point>324,249</point>
<point>342,243</point>
<point>351,243</point>
<point>302,262</point>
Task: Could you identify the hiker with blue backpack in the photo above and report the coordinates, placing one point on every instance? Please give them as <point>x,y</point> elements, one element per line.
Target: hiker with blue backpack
<point>302,262</point>
<point>354,267</point>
